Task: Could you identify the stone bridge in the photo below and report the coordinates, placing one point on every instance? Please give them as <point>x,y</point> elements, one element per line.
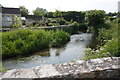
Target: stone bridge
<point>108,67</point>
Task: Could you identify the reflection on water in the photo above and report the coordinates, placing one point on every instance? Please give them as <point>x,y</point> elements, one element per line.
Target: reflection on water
<point>73,50</point>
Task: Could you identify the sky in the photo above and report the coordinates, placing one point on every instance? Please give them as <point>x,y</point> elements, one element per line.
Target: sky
<point>64,5</point>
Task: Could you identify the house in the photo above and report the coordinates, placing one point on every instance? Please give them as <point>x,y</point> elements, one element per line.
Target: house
<point>8,15</point>
<point>0,15</point>
<point>119,6</point>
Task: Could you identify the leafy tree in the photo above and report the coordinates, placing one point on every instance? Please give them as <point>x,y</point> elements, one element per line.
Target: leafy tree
<point>17,22</point>
<point>57,14</point>
<point>23,10</point>
<point>95,17</point>
<point>39,11</point>
<point>74,15</point>
<point>49,15</point>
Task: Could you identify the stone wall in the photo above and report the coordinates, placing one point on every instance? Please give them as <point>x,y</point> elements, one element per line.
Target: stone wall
<point>94,68</point>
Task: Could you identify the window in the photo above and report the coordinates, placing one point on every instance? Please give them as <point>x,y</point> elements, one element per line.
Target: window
<point>9,18</point>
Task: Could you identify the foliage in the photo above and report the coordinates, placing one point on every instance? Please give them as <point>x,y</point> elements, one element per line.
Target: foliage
<point>108,46</point>
<point>95,17</point>
<point>108,50</point>
<point>52,24</point>
<point>62,22</point>
<point>39,11</point>
<point>60,38</point>
<point>104,36</point>
<point>57,14</point>
<point>74,15</point>
<point>49,15</point>
<point>17,22</point>
<point>23,10</point>
<point>1,68</point>
<point>25,42</point>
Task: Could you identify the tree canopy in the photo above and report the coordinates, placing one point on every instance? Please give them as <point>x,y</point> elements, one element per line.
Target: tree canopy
<point>39,11</point>
<point>95,17</point>
<point>57,14</point>
<point>23,10</point>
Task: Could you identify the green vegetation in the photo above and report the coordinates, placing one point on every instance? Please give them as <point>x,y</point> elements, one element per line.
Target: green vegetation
<point>108,43</point>
<point>59,38</point>
<point>1,68</point>
<point>39,11</point>
<point>25,42</point>
<point>17,22</point>
<point>23,10</point>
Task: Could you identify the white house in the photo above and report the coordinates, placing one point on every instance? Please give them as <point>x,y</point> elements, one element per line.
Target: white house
<point>119,6</point>
<point>8,15</point>
<point>0,15</point>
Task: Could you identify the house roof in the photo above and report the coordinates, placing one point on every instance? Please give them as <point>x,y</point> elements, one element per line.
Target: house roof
<point>6,10</point>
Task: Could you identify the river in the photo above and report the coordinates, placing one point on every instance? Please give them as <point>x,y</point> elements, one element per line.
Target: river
<point>72,51</point>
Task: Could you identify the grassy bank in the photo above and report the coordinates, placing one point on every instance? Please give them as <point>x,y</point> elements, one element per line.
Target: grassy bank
<point>25,42</point>
<point>1,68</point>
<point>108,43</point>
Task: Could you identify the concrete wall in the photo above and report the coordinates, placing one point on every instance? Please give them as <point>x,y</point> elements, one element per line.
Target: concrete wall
<point>95,68</point>
<point>7,19</point>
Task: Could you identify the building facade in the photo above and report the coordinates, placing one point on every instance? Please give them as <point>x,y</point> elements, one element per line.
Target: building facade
<point>0,15</point>
<point>8,16</point>
<point>119,6</point>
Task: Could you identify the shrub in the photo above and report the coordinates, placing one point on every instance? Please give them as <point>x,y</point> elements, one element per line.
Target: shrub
<point>62,22</point>
<point>108,43</point>
<point>52,24</point>
<point>104,36</point>
<point>25,42</point>
<point>108,50</point>
<point>17,21</point>
<point>60,38</point>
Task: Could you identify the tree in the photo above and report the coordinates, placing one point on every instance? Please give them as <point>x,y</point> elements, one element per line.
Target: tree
<point>17,22</point>
<point>39,11</point>
<point>23,10</point>
<point>95,17</point>
<point>74,15</point>
<point>49,15</point>
<point>57,14</point>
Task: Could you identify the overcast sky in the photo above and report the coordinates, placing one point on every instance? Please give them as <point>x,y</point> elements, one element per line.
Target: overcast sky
<point>64,5</point>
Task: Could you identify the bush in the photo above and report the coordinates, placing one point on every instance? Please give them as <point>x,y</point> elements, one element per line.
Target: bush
<point>25,42</point>
<point>104,36</point>
<point>60,38</point>
<point>108,50</point>
<point>17,21</point>
<point>108,43</point>
<point>62,22</point>
<point>52,24</point>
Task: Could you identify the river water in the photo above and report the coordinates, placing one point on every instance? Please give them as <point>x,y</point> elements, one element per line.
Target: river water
<point>72,51</point>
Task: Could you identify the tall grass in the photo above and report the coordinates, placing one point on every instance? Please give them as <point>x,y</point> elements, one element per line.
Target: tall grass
<point>25,42</point>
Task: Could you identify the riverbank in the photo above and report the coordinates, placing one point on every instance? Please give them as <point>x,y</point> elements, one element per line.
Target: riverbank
<point>108,43</point>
